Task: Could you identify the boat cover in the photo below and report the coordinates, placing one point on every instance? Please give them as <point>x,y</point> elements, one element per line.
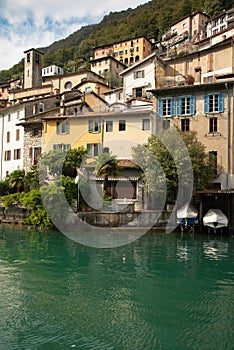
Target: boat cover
<point>187,212</point>
<point>215,218</point>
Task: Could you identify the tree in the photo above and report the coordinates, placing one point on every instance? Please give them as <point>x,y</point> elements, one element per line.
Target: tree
<point>106,165</point>
<point>166,158</point>
<point>63,162</point>
<point>16,180</point>
<point>31,179</point>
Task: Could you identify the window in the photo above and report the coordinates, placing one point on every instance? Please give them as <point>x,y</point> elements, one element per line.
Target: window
<point>7,156</point>
<point>62,127</point>
<point>213,103</point>
<point>186,105</point>
<point>139,74</point>
<point>146,124</point>
<point>185,123</point>
<point>122,125</point>
<point>68,85</point>
<point>94,126</point>
<point>41,107</point>
<point>34,154</point>
<point>8,136</point>
<point>138,92</point>
<point>88,89</point>
<point>62,146</point>
<point>166,107</point>
<point>166,124</point>
<point>93,149</point>
<point>109,126</point>
<point>17,134</point>
<point>213,125</point>
<point>28,57</point>
<point>17,153</point>
<point>126,51</point>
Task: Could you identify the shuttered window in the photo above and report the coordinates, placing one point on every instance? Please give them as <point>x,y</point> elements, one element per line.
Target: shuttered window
<point>166,107</point>
<point>186,105</point>
<point>214,103</point>
<point>62,127</point>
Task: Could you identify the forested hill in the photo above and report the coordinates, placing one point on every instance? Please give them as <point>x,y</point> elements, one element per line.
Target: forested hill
<point>151,20</point>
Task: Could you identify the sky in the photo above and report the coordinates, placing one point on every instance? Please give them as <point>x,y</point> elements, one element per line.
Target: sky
<point>26,24</point>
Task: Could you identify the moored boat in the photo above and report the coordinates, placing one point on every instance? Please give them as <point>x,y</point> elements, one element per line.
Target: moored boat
<point>187,216</point>
<point>215,219</point>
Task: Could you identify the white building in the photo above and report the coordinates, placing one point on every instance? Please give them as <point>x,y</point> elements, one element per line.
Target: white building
<point>52,70</point>
<point>11,138</point>
<point>142,76</point>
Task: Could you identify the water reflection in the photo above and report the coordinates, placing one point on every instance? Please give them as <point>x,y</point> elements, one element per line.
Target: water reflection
<point>163,291</point>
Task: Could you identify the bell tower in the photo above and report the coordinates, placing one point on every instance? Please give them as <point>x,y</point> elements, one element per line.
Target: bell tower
<point>32,68</point>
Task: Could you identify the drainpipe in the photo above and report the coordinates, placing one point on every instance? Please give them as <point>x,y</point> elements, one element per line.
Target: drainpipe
<point>228,137</point>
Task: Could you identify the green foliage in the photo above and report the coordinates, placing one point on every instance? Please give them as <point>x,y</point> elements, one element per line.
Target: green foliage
<point>31,179</point>
<point>106,165</point>
<point>16,180</point>
<point>62,162</point>
<point>11,200</point>
<point>161,168</point>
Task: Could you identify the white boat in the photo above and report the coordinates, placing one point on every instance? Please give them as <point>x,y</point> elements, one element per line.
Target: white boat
<point>187,214</point>
<point>215,219</point>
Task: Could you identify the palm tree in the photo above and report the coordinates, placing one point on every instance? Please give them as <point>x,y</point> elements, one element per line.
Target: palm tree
<point>106,165</point>
<point>16,179</point>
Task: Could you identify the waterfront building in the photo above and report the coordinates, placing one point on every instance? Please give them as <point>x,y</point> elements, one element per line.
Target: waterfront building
<point>208,110</point>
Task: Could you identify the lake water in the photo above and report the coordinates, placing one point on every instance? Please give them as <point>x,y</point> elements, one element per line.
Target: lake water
<point>163,291</point>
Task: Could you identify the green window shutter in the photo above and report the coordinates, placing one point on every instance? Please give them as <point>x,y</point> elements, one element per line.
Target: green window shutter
<point>206,104</point>
<point>67,127</point>
<point>90,126</point>
<point>173,107</point>
<point>221,103</point>
<point>89,149</point>
<point>55,147</point>
<point>99,126</point>
<point>179,106</point>
<point>192,105</point>
<point>58,128</point>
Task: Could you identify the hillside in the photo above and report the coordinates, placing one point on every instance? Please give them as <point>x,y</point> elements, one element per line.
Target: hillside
<point>151,20</point>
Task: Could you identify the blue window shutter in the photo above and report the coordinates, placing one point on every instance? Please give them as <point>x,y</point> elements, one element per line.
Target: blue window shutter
<point>173,107</point>
<point>160,107</point>
<point>67,127</point>
<point>89,149</point>
<point>179,106</point>
<point>192,105</point>
<point>90,127</point>
<point>221,103</point>
<point>58,128</point>
<point>206,104</point>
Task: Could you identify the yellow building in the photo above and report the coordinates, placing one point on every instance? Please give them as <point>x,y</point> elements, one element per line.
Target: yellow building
<point>126,51</point>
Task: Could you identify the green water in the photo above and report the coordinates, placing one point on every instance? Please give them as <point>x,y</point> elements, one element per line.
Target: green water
<point>162,291</point>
